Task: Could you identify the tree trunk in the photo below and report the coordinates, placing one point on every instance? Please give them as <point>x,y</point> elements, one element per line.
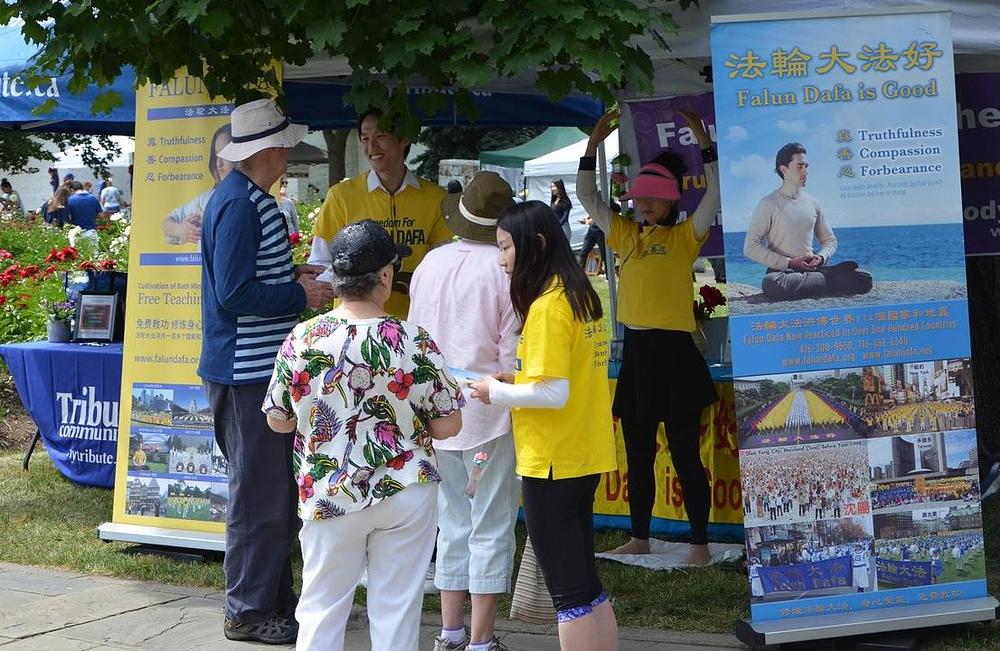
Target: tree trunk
<point>984,320</point>
<point>336,143</point>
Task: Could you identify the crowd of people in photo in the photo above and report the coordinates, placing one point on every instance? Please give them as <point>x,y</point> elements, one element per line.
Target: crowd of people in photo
<point>918,417</point>
<point>807,484</point>
<point>805,415</point>
<point>965,489</point>
<point>957,550</point>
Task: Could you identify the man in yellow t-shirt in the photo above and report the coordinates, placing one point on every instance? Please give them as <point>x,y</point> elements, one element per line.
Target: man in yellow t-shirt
<point>407,206</point>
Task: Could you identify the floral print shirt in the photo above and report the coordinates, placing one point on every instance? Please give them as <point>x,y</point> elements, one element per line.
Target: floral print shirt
<point>363,391</point>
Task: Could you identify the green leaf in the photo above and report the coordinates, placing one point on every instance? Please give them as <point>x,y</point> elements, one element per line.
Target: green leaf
<point>191,10</point>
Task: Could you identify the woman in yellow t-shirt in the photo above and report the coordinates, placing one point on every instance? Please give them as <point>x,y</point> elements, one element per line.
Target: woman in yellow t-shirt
<point>563,434</point>
<point>663,377</point>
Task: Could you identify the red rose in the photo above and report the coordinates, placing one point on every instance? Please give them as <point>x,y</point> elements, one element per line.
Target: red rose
<point>69,252</point>
<point>5,254</point>
<point>53,255</point>
<point>294,238</point>
<point>87,265</point>
<point>107,265</point>
<point>3,299</point>
<point>49,270</point>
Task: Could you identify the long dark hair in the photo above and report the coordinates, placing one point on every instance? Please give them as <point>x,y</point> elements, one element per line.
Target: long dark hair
<point>538,259</point>
<point>675,163</point>
<point>561,200</point>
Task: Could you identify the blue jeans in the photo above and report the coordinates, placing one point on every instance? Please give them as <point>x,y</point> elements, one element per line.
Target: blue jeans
<point>261,518</point>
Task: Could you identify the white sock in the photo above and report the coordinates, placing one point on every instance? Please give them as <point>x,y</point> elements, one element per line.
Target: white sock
<point>456,635</point>
<point>480,646</point>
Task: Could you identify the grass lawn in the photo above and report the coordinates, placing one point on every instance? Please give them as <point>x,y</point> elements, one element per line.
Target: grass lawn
<point>47,521</point>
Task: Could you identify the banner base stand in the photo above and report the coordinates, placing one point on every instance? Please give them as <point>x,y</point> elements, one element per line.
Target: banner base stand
<point>142,534</point>
<point>757,635</point>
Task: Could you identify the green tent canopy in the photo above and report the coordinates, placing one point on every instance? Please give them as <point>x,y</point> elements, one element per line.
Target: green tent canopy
<point>549,140</point>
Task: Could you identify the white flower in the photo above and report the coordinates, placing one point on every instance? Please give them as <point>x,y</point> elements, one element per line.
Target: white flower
<point>74,233</point>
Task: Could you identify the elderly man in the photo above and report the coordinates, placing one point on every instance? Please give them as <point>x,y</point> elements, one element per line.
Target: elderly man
<point>251,298</point>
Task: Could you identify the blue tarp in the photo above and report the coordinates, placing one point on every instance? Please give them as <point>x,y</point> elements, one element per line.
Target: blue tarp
<point>73,114</point>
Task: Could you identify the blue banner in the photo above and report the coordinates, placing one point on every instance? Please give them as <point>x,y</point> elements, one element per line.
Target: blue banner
<point>73,113</point>
<point>845,265</point>
<point>903,572</point>
<point>819,575</point>
<point>72,392</point>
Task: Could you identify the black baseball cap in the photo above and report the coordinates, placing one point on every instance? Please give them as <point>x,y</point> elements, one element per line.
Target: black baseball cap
<point>364,247</point>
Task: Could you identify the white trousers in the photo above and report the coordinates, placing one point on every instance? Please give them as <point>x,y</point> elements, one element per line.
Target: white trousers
<point>395,539</point>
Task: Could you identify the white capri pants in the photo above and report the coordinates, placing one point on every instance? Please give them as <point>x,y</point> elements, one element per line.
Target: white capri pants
<point>395,538</point>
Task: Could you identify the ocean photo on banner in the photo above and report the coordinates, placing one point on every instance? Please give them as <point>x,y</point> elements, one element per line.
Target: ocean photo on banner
<point>874,115</point>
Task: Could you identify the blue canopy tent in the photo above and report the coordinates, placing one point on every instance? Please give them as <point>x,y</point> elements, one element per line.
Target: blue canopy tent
<point>73,113</point>
<point>319,103</point>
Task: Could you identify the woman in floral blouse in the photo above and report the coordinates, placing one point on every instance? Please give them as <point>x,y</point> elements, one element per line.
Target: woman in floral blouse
<point>365,394</point>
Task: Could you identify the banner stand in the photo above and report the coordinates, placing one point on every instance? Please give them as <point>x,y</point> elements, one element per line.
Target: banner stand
<point>146,535</point>
<point>757,635</point>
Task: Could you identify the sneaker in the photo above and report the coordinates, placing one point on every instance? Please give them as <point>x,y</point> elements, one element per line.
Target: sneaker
<point>495,645</point>
<point>429,587</point>
<point>444,644</point>
<point>274,630</point>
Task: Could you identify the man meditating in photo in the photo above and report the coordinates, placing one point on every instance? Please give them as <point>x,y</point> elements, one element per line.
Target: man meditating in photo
<point>780,237</point>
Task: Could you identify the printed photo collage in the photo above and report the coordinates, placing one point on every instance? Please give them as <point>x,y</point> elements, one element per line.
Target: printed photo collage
<point>859,480</point>
<point>175,467</point>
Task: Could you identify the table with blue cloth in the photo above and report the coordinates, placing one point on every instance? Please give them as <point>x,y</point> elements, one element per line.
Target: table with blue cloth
<point>71,391</point>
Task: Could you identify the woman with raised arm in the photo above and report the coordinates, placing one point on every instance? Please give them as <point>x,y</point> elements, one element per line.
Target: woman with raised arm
<point>663,376</point>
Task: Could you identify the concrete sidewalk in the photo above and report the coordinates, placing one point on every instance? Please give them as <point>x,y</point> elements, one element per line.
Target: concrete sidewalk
<point>52,610</point>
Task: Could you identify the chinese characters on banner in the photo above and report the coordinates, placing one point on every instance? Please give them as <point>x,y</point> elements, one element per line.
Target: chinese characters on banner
<point>170,471</point>
<point>848,317</point>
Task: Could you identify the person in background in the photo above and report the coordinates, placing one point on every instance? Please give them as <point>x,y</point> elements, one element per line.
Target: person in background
<point>183,224</point>
<point>454,187</point>
<point>287,208</point>
<point>101,184</point>
<point>9,199</point>
<point>663,376</point>
<point>251,296</point>
<point>563,432</point>
<point>54,179</point>
<point>88,187</point>
<point>408,207</point>
<point>83,211</point>
<point>461,295</point>
<point>55,211</point>
<point>594,237</point>
<point>69,177</point>
<point>366,471</point>
<point>561,206</point>
<point>111,197</point>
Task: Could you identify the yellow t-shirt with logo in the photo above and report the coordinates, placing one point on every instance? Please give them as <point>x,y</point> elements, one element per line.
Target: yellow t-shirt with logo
<point>412,216</point>
<point>578,439</point>
<point>655,290</point>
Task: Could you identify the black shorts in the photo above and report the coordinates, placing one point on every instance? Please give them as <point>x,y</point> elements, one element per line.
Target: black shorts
<point>559,516</point>
<point>663,376</point>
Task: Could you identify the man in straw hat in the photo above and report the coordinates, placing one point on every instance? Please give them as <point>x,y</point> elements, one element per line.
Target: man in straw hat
<point>460,294</point>
<point>251,298</point>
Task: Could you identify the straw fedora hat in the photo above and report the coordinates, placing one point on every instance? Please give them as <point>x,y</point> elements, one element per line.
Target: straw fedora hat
<point>260,125</point>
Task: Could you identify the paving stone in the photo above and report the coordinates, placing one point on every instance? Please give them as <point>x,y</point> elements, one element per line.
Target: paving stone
<point>78,607</point>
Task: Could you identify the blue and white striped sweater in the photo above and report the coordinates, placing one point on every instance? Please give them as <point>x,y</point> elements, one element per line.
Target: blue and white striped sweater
<point>250,298</point>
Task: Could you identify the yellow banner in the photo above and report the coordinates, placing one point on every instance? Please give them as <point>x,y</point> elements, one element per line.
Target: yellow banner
<point>718,453</point>
<point>170,473</point>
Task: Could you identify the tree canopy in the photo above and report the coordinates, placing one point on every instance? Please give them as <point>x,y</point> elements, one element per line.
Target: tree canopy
<point>18,148</point>
<point>583,45</point>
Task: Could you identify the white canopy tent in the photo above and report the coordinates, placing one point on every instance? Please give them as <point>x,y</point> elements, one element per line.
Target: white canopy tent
<point>539,173</point>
